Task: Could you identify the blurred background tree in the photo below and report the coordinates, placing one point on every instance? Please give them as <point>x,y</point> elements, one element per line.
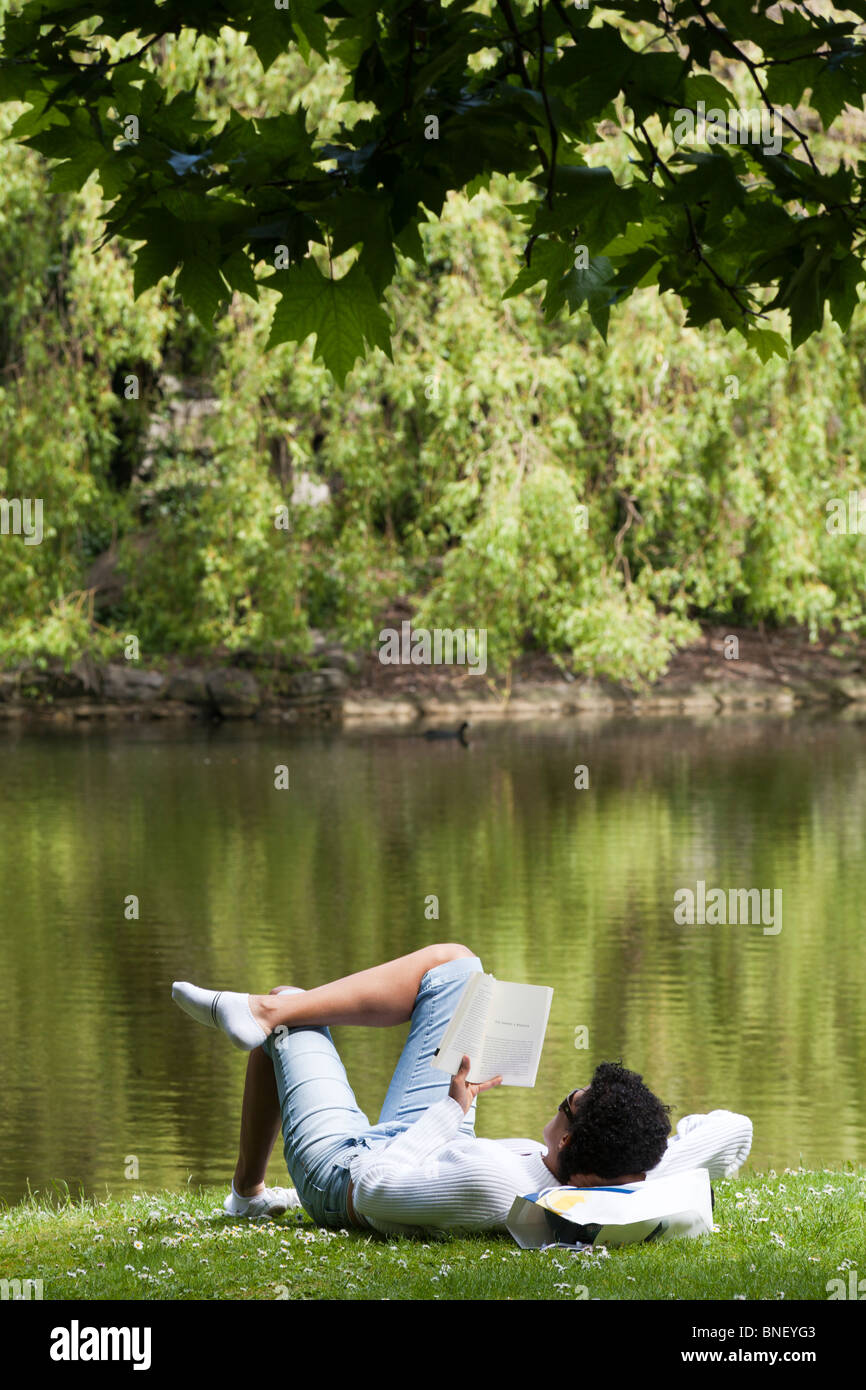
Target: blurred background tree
<point>593,500</point>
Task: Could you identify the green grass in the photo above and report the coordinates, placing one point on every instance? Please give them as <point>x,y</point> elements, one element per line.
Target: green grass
<point>776,1237</point>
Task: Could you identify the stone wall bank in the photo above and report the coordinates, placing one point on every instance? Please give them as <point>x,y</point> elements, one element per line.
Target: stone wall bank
<point>336,687</point>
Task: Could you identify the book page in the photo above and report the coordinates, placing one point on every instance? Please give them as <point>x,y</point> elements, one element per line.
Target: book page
<point>464,1035</point>
<point>516,1024</point>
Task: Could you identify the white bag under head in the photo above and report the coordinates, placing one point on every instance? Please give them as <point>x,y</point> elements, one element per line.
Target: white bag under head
<point>662,1209</point>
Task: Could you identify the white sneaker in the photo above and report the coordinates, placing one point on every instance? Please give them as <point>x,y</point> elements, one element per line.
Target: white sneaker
<point>274,1201</point>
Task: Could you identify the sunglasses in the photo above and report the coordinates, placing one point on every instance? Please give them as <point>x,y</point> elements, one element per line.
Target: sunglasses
<point>566,1109</point>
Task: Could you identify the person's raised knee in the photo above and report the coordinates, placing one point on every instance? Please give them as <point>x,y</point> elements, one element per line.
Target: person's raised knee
<point>450,950</point>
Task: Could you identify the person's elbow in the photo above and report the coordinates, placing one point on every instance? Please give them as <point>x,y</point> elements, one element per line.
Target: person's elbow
<point>741,1133</point>
<point>720,1142</point>
<point>733,1142</point>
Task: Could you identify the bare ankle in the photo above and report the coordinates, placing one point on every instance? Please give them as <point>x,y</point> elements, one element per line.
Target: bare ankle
<point>247,1189</point>
<point>261,1008</point>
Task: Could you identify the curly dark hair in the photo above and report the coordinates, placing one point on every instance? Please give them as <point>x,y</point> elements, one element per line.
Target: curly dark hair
<point>619,1127</point>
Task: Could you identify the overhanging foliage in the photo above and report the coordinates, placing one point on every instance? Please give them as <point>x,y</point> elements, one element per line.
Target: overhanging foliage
<point>451,94</point>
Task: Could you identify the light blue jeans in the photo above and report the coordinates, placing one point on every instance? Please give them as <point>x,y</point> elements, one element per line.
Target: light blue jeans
<point>323,1125</point>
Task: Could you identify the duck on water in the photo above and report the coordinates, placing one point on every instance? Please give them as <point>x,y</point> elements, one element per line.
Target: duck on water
<point>459,734</point>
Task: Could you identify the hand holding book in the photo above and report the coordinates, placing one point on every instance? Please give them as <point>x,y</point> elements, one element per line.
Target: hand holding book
<point>463,1091</point>
<point>499,1025</point>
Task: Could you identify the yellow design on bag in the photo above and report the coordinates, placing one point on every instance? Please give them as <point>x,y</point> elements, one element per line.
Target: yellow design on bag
<point>561,1201</point>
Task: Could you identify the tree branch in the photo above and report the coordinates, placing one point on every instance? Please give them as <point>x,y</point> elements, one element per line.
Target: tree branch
<point>696,245</point>
<point>725,39</point>
<point>551,124</point>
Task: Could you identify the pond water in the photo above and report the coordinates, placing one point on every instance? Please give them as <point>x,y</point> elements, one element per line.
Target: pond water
<point>244,886</point>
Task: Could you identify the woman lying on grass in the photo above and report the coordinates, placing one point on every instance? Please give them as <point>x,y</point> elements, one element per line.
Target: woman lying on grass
<point>422,1168</point>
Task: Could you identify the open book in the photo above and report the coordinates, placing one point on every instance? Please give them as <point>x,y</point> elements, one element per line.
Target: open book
<point>500,1027</point>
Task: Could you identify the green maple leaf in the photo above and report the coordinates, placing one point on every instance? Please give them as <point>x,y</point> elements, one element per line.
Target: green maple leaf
<point>767,343</point>
<point>270,34</point>
<point>803,295</point>
<point>590,285</point>
<point>309,27</point>
<point>702,87</point>
<point>843,277</point>
<point>202,289</point>
<point>238,272</point>
<point>73,173</point>
<point>344,315</point>
<point>591,199</point>
<point>199,283</point>
<point>158,257</point>
<point>549,261</point>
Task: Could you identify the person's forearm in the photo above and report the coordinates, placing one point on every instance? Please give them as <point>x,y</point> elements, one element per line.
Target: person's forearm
<point>719,1142</point>
<point>423,1139</point>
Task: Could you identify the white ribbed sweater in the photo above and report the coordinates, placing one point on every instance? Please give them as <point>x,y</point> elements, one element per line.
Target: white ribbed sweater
<point>432,1178</point>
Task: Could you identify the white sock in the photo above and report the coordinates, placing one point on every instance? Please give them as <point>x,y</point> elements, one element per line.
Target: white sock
<point>236,1205</point>
<point>274,1201</point>
<point>221,1009</point>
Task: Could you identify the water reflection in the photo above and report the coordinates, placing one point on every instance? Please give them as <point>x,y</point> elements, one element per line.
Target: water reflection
<point>239,884</point>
